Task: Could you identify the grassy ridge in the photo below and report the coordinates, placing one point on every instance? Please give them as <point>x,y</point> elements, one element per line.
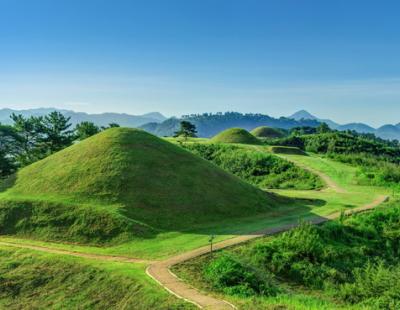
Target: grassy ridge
<point>59,282</point>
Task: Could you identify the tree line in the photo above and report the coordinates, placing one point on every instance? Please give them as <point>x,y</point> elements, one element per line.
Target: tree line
<point>30,139</point>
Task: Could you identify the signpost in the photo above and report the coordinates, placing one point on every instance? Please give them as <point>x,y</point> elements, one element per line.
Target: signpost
<point>212,237</point>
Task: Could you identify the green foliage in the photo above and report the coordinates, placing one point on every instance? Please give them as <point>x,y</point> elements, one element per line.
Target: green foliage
<point>186,130</point>
<point>85,130</point>
<point>55,132</point>
<point>112,170</point>
<point>347,143</point>
<point>355,259</point>
<point>372,170</point>
<point>256,167</point>
<point>228,274</point>
<point>375,285</point>
<point>8,150</point>
<point>30,280</point>
<point>235,135</point>
<point>39,137</point>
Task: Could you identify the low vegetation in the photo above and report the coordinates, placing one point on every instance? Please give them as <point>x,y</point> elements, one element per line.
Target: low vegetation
<point>353,261</point>
<point>256,166</point>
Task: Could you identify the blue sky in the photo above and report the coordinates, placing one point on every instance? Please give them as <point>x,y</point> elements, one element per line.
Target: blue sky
<point>337,59</point>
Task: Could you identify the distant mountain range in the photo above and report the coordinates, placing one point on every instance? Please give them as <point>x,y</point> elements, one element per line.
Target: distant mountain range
<point>389,132</point>
<point>209,124</point>
<point>102,119</point>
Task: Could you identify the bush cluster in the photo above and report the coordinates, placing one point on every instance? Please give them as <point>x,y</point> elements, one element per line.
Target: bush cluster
<point>256,167</point>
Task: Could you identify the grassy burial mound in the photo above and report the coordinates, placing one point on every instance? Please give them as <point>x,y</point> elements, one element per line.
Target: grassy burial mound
<point>265,132</point>
<point>235,135</point>
<point>121,184</point>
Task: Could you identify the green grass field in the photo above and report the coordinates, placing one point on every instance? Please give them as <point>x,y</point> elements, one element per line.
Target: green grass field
<point>40,280</point>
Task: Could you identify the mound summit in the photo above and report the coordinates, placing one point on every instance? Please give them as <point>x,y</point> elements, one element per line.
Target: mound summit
<point>122,183</point>
<point>235,135</point>
<point>266,132</point>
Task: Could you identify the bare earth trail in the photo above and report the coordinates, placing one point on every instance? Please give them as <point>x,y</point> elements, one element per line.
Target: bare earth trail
<point>330,184</point>
<point>160,270</point>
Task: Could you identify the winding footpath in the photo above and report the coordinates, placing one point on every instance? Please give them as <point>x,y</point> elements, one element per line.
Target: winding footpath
<point>161,272</point>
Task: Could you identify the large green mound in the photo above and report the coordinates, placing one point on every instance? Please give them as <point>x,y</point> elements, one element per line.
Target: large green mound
<point>266,132</point>
<point>122,182</point>
<point>235,135</point>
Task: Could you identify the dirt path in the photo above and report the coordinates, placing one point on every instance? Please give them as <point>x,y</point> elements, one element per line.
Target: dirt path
<point>160,270</point>
<point>120,259</point>
<point>325,178</point>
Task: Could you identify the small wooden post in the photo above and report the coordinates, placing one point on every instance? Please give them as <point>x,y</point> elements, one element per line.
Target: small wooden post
<point>212,237</point>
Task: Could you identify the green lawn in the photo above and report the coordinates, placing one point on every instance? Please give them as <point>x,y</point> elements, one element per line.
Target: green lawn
<point>51,281</point>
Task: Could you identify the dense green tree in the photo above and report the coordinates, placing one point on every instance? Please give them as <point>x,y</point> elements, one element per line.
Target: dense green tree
<point>323,128</point>
<point>186,130</point>
<point>56,133</point>
<point>85,130</point>
<point>8,150</point>
<point>29,135</point>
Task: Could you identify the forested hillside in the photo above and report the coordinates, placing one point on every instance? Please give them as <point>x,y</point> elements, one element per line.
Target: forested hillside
<point>209,124</point>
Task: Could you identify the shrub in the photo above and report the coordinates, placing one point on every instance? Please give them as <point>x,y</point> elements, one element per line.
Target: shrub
<point>231,276</point>
<point>256,167</point>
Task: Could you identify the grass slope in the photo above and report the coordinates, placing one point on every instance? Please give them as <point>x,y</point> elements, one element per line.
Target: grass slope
<point>352,262</point>
<point>235,135</point>
<point>256,166</point>
<point>34,280</point>
<point>119,184</point>
<point>266,132</point>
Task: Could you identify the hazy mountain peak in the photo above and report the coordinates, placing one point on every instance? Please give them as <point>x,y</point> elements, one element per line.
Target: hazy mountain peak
<point>302,114</point>
<point>155,115</point>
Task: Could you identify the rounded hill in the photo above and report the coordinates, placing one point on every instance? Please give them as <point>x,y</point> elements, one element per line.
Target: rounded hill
<point>124,177</point>
<point>235,135</point>
<point>266,132</point>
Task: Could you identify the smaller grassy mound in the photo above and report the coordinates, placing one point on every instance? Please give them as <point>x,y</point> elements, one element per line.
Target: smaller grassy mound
<point>266,132</point>
<point>287,150</point>
<point>33,280</point>
<point>235,135</point>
